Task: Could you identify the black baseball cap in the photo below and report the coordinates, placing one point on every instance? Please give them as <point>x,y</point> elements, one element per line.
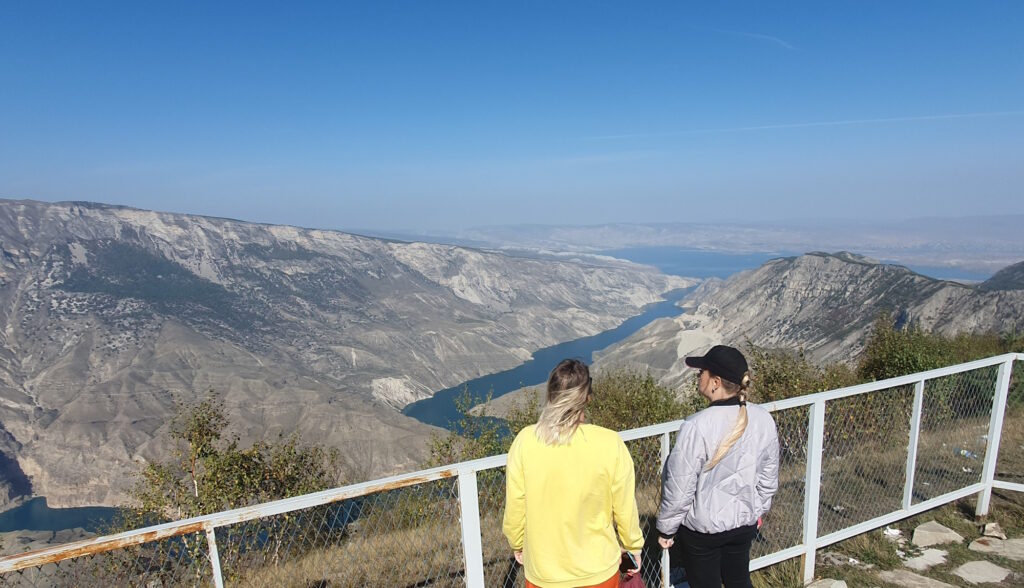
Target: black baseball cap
<point>723,361</point>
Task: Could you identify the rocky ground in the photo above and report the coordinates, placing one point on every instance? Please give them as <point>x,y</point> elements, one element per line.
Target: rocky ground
<point>940,549</point>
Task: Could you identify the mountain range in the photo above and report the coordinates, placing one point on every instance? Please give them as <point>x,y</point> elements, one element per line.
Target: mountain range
<point>112,317</point>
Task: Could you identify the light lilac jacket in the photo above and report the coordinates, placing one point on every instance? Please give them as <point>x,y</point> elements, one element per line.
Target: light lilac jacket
<point>737,491</point>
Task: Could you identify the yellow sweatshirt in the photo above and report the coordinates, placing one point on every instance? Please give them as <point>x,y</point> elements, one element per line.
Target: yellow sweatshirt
<point>564,503</point>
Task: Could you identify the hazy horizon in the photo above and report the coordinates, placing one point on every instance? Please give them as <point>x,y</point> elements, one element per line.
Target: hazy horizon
<point>788,222</point>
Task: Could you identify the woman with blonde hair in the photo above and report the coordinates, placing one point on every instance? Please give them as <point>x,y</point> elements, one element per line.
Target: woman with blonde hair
<point>569,501</point>
<point>721,475</point>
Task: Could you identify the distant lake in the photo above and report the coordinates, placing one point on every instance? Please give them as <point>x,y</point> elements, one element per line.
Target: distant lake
<point>35,515</point>
<point>692,263</point>
<point>948,273</point>
<point>712,264</point>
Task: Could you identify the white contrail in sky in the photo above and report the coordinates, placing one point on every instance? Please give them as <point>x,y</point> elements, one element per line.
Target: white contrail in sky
<point>757,36</point>
<point>831,123</point>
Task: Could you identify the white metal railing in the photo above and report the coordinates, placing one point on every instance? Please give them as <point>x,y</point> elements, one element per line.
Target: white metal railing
<point>20,567</point>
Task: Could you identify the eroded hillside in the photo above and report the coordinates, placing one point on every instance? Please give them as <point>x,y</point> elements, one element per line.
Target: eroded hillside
<point>821,303</point>
<point>112,314</point>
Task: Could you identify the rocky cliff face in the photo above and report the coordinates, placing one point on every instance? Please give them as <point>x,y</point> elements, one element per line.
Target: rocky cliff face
<point>820,302</point>
<point>110,315</point>
<point>1008,278</point>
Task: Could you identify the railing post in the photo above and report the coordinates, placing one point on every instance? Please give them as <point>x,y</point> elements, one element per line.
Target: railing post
<point>915,434</point>
<point>211,541</point>
<point>812,484</point>
<point>995,430</point>
<point>666,563</point>
<point>472,548</point>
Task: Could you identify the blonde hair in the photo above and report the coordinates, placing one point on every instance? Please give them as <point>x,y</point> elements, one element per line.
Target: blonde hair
<point>568,394</point>
<point>741,420</point>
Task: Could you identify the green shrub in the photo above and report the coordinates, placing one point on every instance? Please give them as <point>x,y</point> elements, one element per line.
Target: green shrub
<point>892,352</point>
<point>210,473</point>
<point>777,374</point>
<point>627,399</point>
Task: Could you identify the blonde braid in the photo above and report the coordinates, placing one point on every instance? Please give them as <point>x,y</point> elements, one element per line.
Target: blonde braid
<point>738,429</point>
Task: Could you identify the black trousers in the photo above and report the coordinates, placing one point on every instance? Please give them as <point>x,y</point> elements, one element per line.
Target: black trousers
<point>712,559</point>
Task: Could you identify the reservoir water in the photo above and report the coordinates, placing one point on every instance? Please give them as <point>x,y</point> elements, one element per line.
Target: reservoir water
<point>713,264</point>
<point>35,515</point>
<point>439,410</point>
<point>694,264</point>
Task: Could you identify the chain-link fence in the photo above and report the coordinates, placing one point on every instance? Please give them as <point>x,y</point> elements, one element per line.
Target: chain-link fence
<point>850,460</point>
<point>782,526</point>
<point>175,561</point>
<point>955,417</point>
<point>864,455</point>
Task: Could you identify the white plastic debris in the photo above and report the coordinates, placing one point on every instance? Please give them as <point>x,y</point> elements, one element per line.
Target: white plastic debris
<point>993,530</point>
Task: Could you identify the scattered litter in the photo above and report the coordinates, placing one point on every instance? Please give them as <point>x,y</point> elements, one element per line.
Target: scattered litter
<point>902,554</point>
<point>965,453</point>
<point>967,470</point>
<point>890,532</point>
<point>833,558</point>
<point>993,530</point>
<point>837,507</point>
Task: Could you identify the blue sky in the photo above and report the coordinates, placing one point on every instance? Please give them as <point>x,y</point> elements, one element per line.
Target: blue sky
<point>431,115</point>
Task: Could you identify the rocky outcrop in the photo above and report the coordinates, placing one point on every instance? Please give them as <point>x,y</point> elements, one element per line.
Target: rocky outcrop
<point>821,303</point>
<point>113,315</point>
<point>1008,278</point>
<point>14,484</point>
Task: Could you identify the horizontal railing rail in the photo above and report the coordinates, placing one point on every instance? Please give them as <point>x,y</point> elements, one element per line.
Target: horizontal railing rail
<point>977,402</point>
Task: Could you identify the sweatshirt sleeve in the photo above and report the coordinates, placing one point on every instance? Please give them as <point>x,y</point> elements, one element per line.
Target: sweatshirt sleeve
<point>624,510</point>
<point>679,479</point>
<point>514,523</point>
<point>768,471</point>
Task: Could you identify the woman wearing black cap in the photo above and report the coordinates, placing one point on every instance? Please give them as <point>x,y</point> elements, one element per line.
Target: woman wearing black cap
<point>721,475</point>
